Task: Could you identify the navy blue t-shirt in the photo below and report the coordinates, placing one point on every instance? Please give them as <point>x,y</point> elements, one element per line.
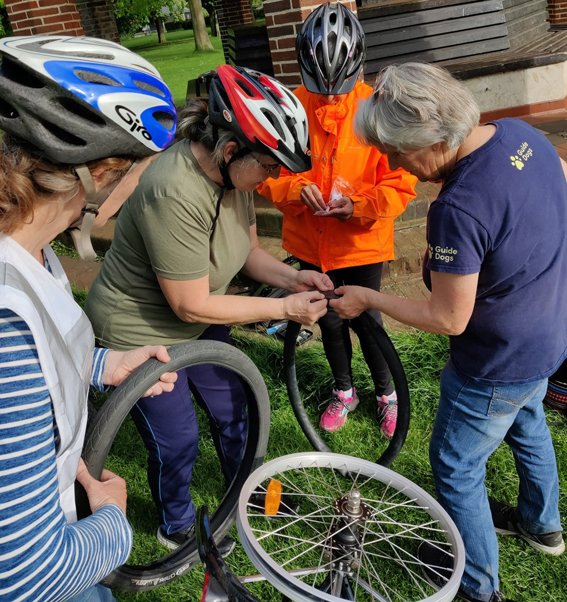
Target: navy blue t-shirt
<point>502,213</point>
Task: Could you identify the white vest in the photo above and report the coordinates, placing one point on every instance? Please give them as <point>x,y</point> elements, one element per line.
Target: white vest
<point>65,344</point>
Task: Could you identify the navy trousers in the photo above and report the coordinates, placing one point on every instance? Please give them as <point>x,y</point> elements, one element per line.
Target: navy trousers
<point>168,426</point>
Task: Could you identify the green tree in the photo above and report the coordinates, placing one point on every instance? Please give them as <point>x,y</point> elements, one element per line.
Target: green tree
<point>202,41</point>
<point>209,6</point>
<point>5,29</point>
<point>133,15</point>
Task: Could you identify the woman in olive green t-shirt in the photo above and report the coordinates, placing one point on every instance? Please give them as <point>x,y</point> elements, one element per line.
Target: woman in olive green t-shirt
<point>183,235</point>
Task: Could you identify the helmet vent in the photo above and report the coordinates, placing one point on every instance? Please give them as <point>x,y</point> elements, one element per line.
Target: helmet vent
<point>247,89</point>
<point>63,135</point>
<point>81,111</point>
<point>274,123</point>
<point>165,119</point>
<point>7,110</point>
<point>94,77</point>
<point>20,74</point>
<point>332,43</point>
<point>149,88</point>
<point>50,44</point>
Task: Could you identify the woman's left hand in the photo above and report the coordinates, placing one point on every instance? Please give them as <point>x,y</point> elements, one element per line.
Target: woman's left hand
<point>342,209</point>
<point>308,280</point>
<point>354,300</point>
<point>120,364</point>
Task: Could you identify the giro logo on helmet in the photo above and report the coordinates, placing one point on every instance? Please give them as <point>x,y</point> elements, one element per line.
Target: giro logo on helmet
<point>226,114</point>
<point>132,120</point>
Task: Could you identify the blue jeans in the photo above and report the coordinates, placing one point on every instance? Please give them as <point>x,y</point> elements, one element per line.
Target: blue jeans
<point>97,593</point>
<point>472,420</point>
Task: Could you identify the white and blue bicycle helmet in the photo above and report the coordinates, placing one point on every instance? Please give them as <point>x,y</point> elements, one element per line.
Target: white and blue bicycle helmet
<point>77,99</point>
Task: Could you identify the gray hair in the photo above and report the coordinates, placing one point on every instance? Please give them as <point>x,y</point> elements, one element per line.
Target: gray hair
<point>416,105</point>
<point>194,125</point>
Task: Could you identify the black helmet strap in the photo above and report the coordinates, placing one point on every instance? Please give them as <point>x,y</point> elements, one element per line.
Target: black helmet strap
<point>223,167</point>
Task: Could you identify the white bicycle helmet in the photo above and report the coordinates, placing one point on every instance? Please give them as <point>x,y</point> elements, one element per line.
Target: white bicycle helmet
<point>331,50</point>
<point>77,99</point>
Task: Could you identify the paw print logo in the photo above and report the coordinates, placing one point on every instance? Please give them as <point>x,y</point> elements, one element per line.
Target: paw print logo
<point>517,162</point>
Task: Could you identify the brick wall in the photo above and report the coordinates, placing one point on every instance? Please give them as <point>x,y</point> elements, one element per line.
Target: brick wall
<point>97,18</point>
<point>557,10</point>
<point>29,17</point>
<point>231,13</point>
<point>72,17</point>
<point>284,19</point>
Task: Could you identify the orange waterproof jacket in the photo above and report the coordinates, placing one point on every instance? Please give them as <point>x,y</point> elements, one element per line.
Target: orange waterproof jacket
<point>379,194</point>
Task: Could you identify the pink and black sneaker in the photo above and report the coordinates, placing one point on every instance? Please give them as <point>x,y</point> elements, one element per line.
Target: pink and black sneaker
<point>387,413</point>
<point>334,417</point>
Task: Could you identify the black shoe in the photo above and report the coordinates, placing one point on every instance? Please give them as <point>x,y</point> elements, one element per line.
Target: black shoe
<point>438,568</point>
<point>437,564</point>
<point>506,522</point>
<point>174,540</point>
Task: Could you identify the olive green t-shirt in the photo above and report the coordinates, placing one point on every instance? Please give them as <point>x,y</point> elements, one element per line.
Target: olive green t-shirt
<point>164,229</point>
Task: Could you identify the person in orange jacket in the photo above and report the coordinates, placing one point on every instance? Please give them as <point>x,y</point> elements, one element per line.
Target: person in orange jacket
<point>339,216</point>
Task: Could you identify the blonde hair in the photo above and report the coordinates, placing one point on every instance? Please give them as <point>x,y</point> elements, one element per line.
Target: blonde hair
<point>26,179</point>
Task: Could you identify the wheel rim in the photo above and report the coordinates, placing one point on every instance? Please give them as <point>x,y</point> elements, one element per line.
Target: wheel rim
<point>370,548</point>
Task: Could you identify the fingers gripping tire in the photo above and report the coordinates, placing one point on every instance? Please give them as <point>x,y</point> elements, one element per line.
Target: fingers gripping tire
<point>398,376</point>
<point>110,417</point>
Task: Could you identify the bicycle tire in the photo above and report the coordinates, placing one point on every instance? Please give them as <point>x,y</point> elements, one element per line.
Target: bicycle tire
<point>403,515</point>
<point>398,376</point>
<point>110,417</point>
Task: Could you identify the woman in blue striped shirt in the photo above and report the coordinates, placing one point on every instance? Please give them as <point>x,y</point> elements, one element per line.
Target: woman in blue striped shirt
<point>77,114</point>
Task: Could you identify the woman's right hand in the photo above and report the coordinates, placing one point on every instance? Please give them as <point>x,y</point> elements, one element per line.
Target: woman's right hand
<point>305,308</point>
<point>311,197</point>
<point>111,489</point>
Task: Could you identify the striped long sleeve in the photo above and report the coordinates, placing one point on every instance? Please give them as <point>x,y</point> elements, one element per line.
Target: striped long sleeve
<point>42,557</point>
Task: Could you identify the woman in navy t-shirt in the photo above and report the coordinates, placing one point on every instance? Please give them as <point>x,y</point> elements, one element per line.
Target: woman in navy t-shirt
<point>495,266</point>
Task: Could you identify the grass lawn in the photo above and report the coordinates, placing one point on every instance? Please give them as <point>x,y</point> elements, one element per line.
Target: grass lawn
<point>177,60</point>
<point>526,574</point>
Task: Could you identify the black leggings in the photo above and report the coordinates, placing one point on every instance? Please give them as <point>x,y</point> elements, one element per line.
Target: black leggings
<point>336,334</point>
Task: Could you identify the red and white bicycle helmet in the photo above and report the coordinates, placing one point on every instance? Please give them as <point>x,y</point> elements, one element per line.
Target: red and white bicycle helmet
<point>77,99</point>
<point>331,49</point>
<point>263,114</point>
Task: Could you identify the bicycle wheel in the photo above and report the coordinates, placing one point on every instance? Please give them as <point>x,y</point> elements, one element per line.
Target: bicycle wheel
<point>354,536</point>
<point>307,418</point>
<point>110,417</point>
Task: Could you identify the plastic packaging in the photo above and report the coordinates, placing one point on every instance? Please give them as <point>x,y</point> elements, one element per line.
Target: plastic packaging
<point>341,188</point>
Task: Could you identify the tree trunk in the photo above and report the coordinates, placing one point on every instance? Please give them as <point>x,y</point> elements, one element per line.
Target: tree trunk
<point>160,26</point>
<point>202,41</point>
<point>215,30</point>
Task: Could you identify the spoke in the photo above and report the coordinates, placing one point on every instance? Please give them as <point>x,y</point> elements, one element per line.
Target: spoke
<point>357,527</point>
<point>300,519</point>
<point>416,579</point>
<point>371,570</point>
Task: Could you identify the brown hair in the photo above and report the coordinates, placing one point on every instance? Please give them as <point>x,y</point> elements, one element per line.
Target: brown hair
<point>193,124</point>
<point>25,179</point>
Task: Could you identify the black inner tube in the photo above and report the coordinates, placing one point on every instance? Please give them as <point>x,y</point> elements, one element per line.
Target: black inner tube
<point>398,376</point>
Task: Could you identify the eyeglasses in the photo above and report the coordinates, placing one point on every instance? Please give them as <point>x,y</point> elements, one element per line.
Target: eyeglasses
<point>271,168</point>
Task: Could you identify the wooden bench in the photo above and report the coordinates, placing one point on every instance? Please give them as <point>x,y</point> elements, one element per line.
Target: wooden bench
<point>448,31</point>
